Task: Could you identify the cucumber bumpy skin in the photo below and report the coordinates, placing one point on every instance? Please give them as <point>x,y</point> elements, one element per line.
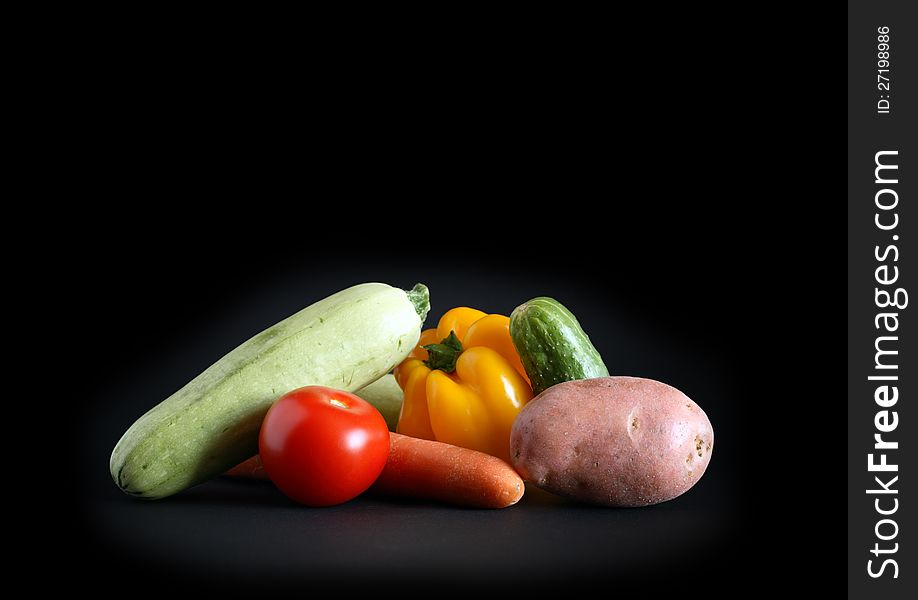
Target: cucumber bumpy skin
<point>552,346</point>
<point>345,341</point>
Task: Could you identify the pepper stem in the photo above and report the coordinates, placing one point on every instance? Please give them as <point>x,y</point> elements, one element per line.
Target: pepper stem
<point>443,356</point>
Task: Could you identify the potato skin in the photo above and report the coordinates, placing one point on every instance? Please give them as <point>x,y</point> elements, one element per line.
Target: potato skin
<point>612,441</point>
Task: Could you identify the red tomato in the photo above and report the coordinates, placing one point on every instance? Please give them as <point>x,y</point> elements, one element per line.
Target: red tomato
<point>322,446</point>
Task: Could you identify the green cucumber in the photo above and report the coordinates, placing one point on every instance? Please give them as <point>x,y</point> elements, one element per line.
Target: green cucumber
<point>386,397</point>
<point>552,346</point>
<point>345,341</point>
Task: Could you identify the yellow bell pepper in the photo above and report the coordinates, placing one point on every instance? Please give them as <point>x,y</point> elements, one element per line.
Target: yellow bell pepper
<point>464,383</point>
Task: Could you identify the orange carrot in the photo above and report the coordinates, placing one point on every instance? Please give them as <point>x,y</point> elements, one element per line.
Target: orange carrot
<point>432,471</point>
<point>436,471</point>
<point>249,469</point>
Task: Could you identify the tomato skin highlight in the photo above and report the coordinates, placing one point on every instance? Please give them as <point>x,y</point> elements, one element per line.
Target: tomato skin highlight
<point>322,446</point>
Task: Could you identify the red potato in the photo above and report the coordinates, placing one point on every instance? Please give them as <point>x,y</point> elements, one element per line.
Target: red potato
<point>429,470</point>
<point>612,441</point>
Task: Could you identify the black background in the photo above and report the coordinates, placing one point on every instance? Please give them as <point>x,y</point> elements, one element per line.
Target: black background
<point>687,225</point>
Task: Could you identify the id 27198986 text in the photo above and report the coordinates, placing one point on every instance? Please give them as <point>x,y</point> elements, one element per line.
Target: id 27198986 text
<point>883,70</point>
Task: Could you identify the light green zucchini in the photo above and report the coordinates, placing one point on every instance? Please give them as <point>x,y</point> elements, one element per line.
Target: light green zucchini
<point>386,397</point>
<point>345,341</point>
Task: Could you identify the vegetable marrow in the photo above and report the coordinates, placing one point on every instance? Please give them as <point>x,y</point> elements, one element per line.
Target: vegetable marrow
<point>386,397</point>
<point>345,341</point>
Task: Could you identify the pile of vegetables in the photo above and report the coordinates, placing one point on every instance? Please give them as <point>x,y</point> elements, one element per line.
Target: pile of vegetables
<point>349,395</point>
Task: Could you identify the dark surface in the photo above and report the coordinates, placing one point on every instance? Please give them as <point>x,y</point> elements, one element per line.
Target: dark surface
<point>235,528</point>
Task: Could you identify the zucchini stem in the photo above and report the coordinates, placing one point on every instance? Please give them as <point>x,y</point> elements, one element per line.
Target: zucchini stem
<point>419,296</point>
